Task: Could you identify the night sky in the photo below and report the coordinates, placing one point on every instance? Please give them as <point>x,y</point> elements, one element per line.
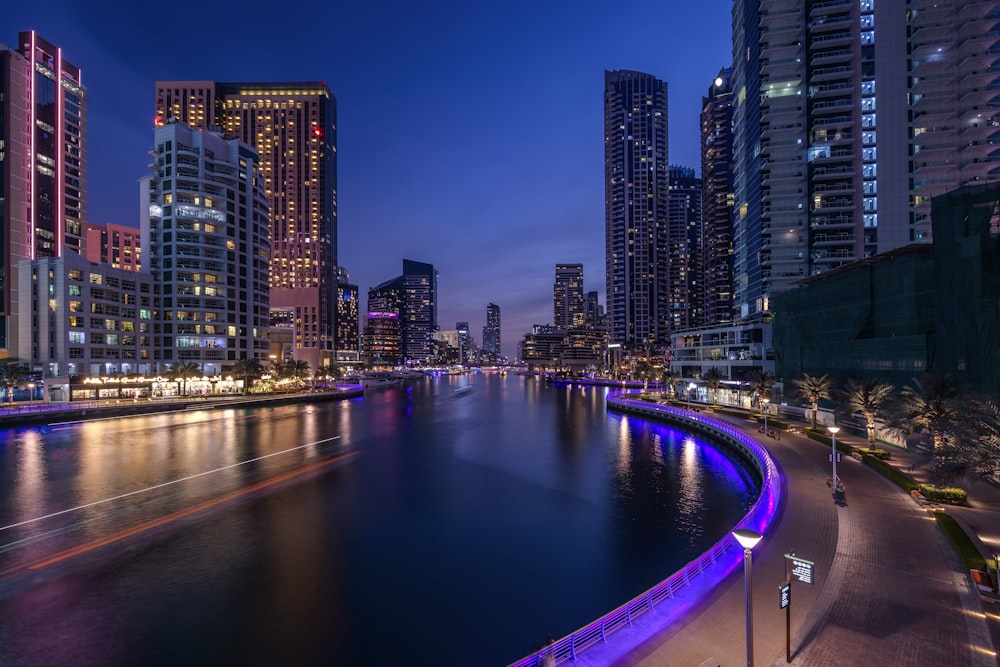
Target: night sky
<point>470,134</point>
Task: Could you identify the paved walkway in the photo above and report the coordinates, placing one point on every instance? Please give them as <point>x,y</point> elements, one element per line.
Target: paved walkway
<point>889,589</point>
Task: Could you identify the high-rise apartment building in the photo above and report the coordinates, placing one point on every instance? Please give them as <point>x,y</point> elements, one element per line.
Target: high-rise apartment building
<point>593,313</point>
<point>419,310</point>
<point>292,126</point>
<point>717,201</point>
<point>464,342</point>
<point>347,341</point>
<point>685,225</point>
<point>117,245</point>
<point>491,333</point>
<point>43,163</point>
<point>568,296</point>
<point>205,226</point>
<point>850,116</point>
<point>636,220</point>
<point>382,340</point>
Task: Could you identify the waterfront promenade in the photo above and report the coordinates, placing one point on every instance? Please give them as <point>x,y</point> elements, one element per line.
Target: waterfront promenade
<point>888,589</point>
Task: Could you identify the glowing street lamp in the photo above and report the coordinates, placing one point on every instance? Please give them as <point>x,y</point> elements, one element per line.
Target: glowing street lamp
<point>691,388</point>
<point>748,539</point>
<point>765,402</point>
<point>833,433</point>
<point>31,393</point>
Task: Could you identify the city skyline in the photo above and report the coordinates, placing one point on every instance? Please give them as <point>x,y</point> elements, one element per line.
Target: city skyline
<point>443,114</point>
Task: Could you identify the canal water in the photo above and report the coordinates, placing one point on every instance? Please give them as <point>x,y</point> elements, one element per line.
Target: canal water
<point>453,520</point>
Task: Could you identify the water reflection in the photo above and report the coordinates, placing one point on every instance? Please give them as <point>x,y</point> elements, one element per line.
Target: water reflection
<point>470,526</point>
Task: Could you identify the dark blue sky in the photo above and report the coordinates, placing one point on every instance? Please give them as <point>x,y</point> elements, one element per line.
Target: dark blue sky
<point>470,134</point>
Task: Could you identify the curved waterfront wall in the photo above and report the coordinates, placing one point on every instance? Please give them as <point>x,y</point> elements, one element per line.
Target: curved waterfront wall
<point>673,595</point>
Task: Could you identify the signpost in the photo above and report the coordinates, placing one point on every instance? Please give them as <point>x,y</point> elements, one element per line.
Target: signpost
<point>802,570</point>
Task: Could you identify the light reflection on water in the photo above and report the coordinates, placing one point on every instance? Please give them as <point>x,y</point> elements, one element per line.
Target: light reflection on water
<point>470,524</point>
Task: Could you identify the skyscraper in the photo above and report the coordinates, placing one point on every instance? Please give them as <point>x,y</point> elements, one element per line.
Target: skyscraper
<point>347,342</point>
<point>382,340</point>
<point>684,251</point>
<point>43,163</point>
<point>209,265</point>
<point>293,128</point>
<point>717,201</point>
<point>491,332</point>
<point>636,220</point>
<point>419,310</point>
<point>568,296</point>
<point>885,120</point>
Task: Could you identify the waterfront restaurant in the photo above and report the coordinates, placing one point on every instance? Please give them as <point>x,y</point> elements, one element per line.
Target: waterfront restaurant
<point>134,387</point>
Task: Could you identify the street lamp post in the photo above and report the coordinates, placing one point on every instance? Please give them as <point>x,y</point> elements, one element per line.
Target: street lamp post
<point>765,402</point>
<point>748,539</point>
<point>31,394</point>
<point>691,387</point>
<point>833,433</point>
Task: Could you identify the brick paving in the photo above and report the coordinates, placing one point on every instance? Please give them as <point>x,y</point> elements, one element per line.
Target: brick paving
<point>889,589</point>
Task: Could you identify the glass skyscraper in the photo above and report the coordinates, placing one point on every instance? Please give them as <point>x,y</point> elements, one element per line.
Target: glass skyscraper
<point>636,209</point>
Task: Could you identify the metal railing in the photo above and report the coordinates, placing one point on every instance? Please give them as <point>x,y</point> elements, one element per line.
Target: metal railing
<point>726,549</point>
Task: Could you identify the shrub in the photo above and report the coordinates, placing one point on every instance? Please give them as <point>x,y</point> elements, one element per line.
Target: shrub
<point>877,453</point>
<point>953,496</point>
<point>895,476</point>
<point>963,546</point>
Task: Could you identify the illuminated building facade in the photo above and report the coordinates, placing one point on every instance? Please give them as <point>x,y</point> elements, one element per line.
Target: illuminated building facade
<point>491,333</point>
<point>717,201</point>
<point>849,118</point>
<point>382,340</point>
<point>684,265</point>
<point>568,296</point>
<point>84,318</point>
<point>635,200</point>
<point>43,163</point>
<point>292,126</point>
<point>206,228</point>
<point>347,338</point>
<point>117,245</point>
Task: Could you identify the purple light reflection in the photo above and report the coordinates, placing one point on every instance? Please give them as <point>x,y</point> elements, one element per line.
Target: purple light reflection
<point>673,597</point>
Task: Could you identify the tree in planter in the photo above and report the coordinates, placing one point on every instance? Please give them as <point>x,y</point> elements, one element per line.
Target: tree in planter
<point>714,377</point>
<point>813,389</point>
<point>868,397</point>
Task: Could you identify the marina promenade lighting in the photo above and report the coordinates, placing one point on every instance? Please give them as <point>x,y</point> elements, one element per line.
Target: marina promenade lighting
<point>833,457</point>
<point>691,388</point>
<point>748,539</point>
<point>764,410</point>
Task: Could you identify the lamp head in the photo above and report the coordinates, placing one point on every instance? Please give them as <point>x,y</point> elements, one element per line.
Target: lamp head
<point>833,429</point>
<point>747,538</point>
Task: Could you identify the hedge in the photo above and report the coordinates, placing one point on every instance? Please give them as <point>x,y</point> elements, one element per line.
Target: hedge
<point>890,473</point>
<point>945,494</point>
<point>877,453</point>
<point>964,547</point>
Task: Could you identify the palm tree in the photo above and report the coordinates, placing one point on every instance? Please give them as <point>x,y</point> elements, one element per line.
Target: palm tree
<point>867,397</point>
<point>12,376</point>
<point>670,378</point>
<point>249,370</point>
<point>183,371</point>
<point>295,370</point>
<point>761,382</point>
<point>931,403</point>
<point>714,377</point>
<point>813,389</point>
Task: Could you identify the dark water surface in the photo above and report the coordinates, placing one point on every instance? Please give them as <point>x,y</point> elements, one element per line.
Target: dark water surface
<point>417,525</point>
